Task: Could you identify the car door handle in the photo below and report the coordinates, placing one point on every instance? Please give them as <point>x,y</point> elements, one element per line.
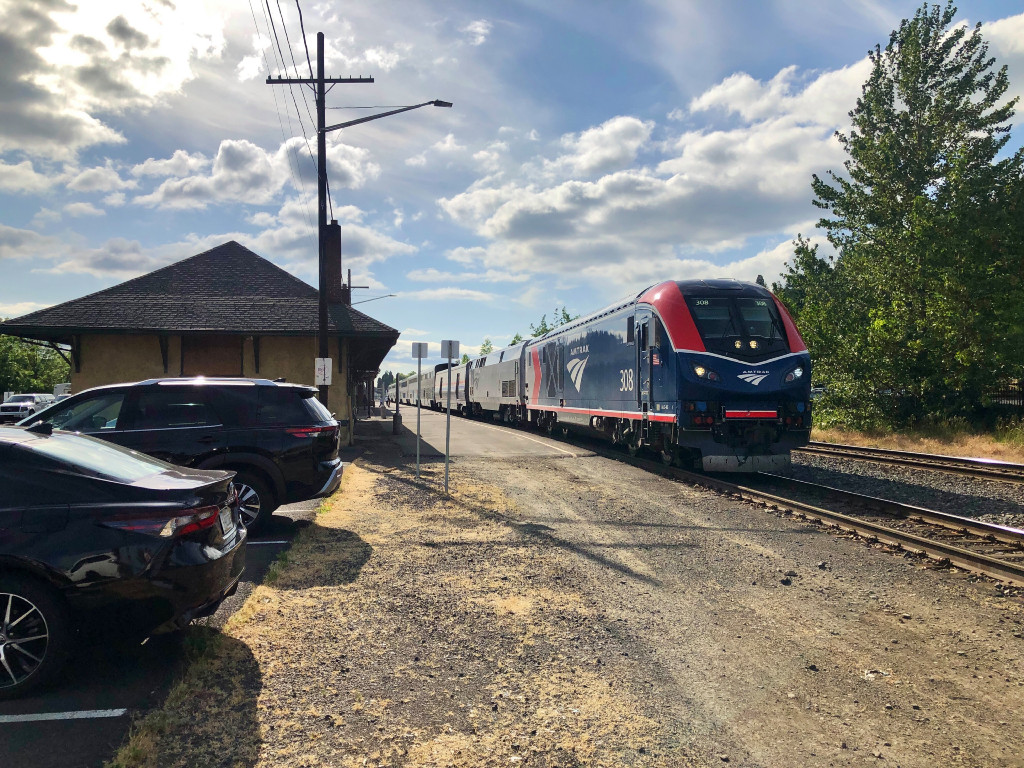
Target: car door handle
<point>207,439</point>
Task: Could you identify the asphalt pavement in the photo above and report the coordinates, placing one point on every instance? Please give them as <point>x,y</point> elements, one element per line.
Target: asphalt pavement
<point>81,721</point>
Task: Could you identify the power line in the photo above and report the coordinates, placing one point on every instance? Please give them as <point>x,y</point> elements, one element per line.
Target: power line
<point>303,28</point>
<point>284,135</point>
<point>269,15</point>
<point>295,66</point>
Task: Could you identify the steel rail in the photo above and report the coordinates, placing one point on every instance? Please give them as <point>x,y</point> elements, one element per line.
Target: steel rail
<point>988,468</point>
<point>1001,533</point>
<point>975,562</point>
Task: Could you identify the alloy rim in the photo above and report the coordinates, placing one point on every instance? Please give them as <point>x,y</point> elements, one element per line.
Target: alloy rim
<point>248,503</point>
<point>24,638</point>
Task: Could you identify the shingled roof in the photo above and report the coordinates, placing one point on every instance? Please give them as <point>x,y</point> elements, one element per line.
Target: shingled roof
<point>226,290</point>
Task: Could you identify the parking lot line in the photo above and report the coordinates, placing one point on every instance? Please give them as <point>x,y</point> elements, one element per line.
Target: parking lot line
<point>82,714</point>
<point>254,543</point>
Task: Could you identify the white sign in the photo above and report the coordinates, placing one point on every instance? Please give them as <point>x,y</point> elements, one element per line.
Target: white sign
<point>8,396</point>
<point>419,350</point>
<point>450,349</point>
<point>323,371</point>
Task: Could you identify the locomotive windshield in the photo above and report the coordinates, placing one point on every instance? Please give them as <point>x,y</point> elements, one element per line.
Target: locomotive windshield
<point>748,328</point>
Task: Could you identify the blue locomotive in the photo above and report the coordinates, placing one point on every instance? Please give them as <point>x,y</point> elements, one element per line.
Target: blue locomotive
<point>708,373</point>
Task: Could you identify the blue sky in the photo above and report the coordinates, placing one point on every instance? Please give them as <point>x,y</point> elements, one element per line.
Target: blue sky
<point>594,147</point>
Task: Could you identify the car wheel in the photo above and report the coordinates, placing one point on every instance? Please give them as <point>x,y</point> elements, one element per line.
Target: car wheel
<point>35,635</point>
<point>255,501</point>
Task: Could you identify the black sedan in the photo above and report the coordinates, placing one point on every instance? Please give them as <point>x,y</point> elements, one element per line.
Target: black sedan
<point>95,536</point>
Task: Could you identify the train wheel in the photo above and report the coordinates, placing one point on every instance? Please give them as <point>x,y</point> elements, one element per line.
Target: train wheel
<point>669,456</point>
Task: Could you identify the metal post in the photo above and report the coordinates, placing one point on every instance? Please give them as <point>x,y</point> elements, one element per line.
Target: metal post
<point>419,389</point>
<point>448,427</point>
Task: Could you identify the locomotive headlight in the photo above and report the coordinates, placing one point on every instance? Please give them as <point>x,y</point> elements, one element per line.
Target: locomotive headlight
<point>793,375</point>
<point>738,344</point>
<point>753,343</point>
<point>704,373</point>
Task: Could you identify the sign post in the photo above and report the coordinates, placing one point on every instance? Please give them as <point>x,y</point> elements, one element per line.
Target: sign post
<point>449,349</point>
<point>419,351</point>
<point>323,371</point>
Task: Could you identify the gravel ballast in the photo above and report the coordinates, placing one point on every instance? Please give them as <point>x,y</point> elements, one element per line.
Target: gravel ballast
<point>993,501</point>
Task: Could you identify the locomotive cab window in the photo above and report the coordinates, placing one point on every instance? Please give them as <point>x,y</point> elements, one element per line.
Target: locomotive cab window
<point>630,330</point>
<point>743,327</point>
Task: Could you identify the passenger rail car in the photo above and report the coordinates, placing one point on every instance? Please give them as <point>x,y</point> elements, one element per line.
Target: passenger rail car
<point>710,373</point>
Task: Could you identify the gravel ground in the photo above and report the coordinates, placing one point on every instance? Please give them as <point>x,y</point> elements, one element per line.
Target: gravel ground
<point>993,501</point>
<point>579,612</point>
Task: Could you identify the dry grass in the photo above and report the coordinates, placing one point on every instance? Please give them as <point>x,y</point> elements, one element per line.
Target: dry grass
<point>410,629</point>
<point>956,443</point>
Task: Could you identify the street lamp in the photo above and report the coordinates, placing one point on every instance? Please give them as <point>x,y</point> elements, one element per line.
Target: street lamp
<point>319,83</point>
<point>368,118</point>
<point>322,180</point>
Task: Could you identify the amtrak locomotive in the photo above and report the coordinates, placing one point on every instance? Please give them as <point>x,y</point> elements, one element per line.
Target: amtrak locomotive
<point>708,373</point>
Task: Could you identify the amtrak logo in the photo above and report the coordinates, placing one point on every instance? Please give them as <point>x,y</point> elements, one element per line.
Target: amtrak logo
<point>576,371</point>
<point>753,377</point>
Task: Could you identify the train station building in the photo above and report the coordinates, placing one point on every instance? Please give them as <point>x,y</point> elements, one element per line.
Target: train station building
<point>223,312</point>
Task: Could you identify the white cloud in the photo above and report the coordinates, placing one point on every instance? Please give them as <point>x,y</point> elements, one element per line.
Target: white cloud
<point>20,308</point>
<point>708,193</point>
<point>65,68</point>
<point>244,172</point>
<point>449,294</point>
<point>610,146</point>
<point>104,179</point>
<point>477,31</point>
<point>77,210</point>
<point>45,216</point>
<point>1006,37</point>
<point>448,144</point>
<point>431,275</point>
<point>23,178</point>
<point>181,163</point>
<point>26,244</point>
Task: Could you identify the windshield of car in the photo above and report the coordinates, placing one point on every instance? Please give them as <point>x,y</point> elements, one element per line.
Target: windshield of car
<point>91,414</point>
<point>97,457</point>
<point>21,399</point>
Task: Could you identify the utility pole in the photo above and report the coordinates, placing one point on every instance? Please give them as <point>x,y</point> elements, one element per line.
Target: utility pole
<point>319,83</point>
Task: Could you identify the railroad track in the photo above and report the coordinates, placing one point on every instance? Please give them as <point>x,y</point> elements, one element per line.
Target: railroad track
<point>993,550</point>
<point>987,468</point>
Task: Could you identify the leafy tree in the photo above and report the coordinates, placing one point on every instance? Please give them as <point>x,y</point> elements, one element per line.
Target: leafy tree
<point>540,328</point>
<point>516,339</point>
<point>386,380</point>
<point>561,317</point>
<point>922,306</point>
<point>465,359</point>
<point>487,347</point>
<point>26,367</point>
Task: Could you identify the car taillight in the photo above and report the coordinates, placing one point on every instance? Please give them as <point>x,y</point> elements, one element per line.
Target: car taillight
<point>308,431</point>
<point>145,521</point>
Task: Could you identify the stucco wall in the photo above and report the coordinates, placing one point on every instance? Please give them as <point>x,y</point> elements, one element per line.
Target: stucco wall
<point>110,359</point>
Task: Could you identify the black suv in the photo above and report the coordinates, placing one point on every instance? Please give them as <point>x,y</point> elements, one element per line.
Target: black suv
<point>278,438</point>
